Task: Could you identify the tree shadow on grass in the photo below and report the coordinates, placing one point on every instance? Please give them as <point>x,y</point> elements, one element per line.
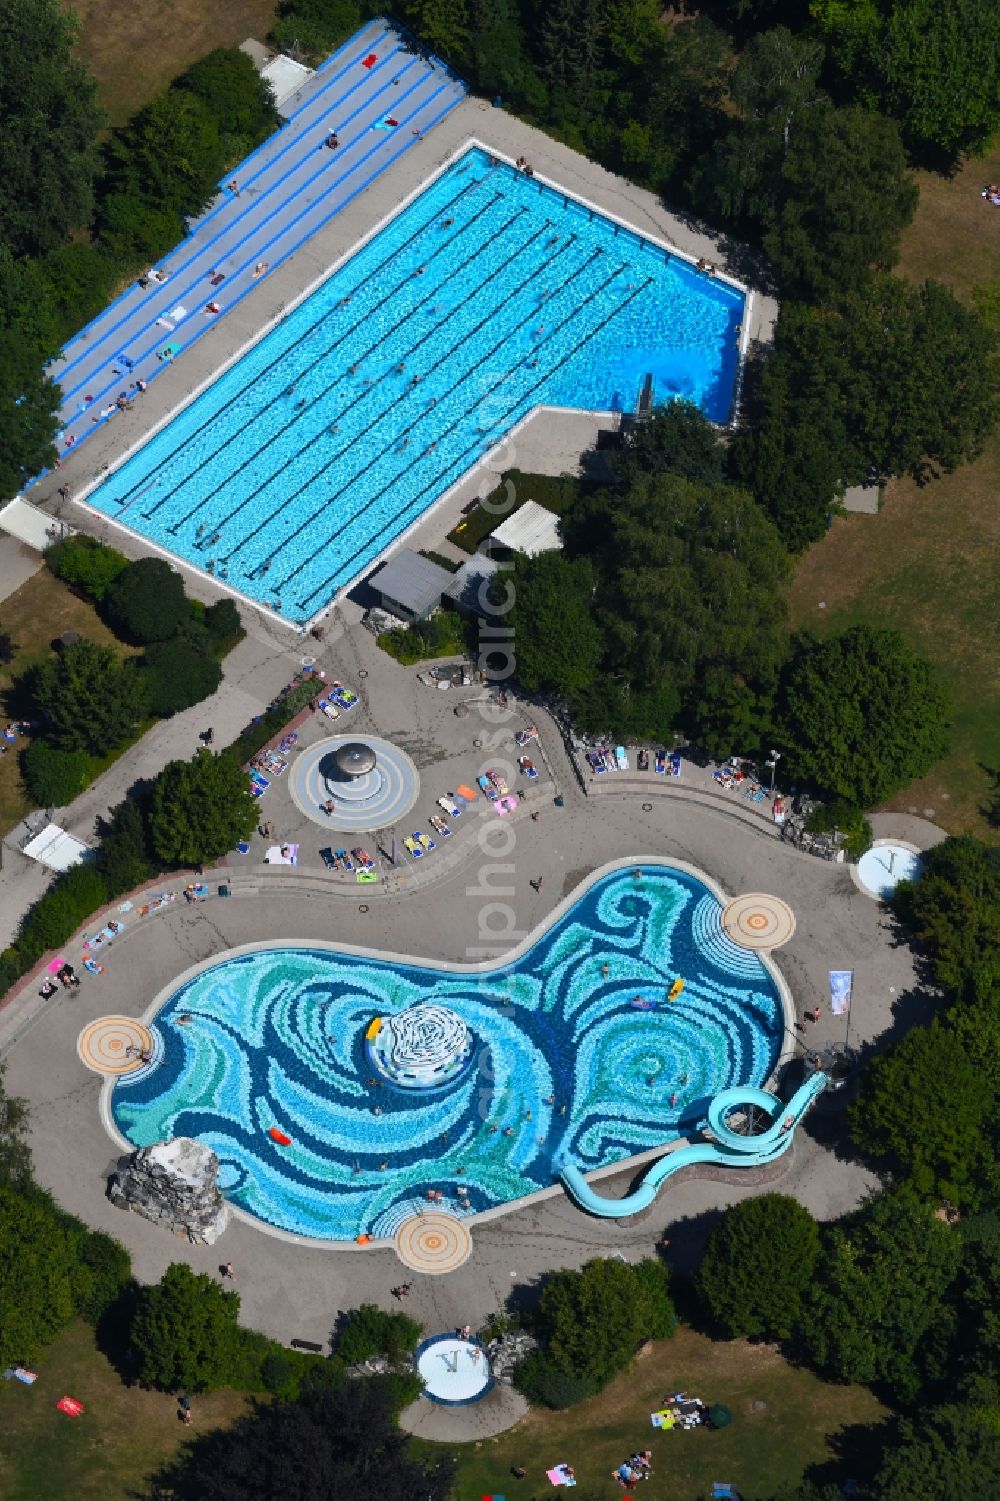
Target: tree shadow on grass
<point>857,1455</point>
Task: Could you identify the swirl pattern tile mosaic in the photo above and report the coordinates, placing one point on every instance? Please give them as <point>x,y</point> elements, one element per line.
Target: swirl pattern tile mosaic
<point>266,1059</point>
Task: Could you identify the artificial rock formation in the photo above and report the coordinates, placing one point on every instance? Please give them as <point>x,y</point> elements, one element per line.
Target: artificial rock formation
<point>507,1352</point>
<point>174,1184</point>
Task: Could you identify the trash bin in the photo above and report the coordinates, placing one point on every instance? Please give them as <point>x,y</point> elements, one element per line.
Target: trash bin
<point>224,891</point>
<point>560,801</point>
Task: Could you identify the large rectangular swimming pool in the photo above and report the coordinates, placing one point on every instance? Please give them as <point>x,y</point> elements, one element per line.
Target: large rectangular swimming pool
<point>487,295</point>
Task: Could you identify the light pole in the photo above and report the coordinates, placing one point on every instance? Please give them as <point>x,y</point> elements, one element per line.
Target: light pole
<point>775,757</point>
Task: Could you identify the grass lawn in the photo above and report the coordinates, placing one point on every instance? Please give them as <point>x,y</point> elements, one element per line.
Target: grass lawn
<point>123,1437</point>
<point>135,50</point>
<point>926,564</point>
<point>39,612</point>
<point>783,1420</point>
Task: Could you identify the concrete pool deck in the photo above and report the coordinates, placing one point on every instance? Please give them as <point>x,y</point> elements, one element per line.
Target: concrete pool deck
<point>291,1290</point>
<point>471,119</point>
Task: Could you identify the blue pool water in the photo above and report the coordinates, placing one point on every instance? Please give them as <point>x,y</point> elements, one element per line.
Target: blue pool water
<point>277,1038</point>
<point>488,295</point>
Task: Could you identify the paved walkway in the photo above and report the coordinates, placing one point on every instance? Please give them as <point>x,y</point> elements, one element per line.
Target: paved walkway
<point>253,673</point>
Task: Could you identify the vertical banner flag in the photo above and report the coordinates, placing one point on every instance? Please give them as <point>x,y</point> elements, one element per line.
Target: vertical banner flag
<point>841,982</point>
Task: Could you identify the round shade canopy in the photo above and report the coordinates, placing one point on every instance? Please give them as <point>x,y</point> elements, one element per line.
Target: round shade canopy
<point>355,759</point>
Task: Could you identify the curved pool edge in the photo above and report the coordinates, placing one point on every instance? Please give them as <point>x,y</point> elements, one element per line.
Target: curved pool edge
<point>623,1165</point>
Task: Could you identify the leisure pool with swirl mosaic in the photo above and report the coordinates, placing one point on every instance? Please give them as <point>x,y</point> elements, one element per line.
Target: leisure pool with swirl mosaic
<point>576,1051</point>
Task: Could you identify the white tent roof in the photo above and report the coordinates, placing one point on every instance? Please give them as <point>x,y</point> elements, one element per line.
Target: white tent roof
<point>28,524</point>
<point>531,530</point>
<point>284,75</point>
<point>55,848</point>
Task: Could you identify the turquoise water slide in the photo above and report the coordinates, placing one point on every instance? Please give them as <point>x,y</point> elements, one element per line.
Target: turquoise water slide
<point>729,1149</point>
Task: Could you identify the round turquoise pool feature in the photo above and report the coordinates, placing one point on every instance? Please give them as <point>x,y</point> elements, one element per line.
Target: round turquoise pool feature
<point>579,1055</point>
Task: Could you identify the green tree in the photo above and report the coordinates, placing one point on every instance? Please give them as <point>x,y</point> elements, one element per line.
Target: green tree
<point>85,564</point>
<point>79,279</point>
<point>954,908</point>
<point>758,1265</point>
<point>442,25</point>
<point>926,392</point>
<point>334,1441</point>
<point>315,28</point>
<point>592,1322</point>
<point>569,49</point>
<point>238,97</point>
<point>25,302</point>
<point>880,1284</point>
<point>369,1330</point>
<point>795,456</point>
<point>146,602</point>
<point>36,1278</point>
<point>975,1354</point>
<point>29,402</point>
<point>123,856</point>
<point>102,1272</point>
<point>178,675</point>
<point>939,65</point>
<point>891,379</point>
<point>774,88</point>
<point>90,700</point>
<point>65,906</point>
<point>497,54</point>
<point>168,157</point>
<point>943,1454</point>
<point>842,197</point>
<point>222,622</point>
<point>51,123</point>
<point>548,1385</point>
<point>689,576</point>
<point>200,809</point>
<point>725,715</point>
<point>927,1107</point>
<point>55,777</point>
<point>677,438</point>
<point>860,715</point>
<point>555,640</point>
<point>15,1153</point>
<point>185,1331</point>
<point>680,99</point>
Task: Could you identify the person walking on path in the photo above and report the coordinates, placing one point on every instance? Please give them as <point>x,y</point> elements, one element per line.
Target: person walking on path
<point>227,1272</point>
<point>536,885</point>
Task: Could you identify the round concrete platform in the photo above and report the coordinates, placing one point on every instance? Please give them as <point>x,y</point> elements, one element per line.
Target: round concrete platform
<point>372,799</point>
<point>112,1045</point>
<point>758,921</point>
<point>433,1243</point>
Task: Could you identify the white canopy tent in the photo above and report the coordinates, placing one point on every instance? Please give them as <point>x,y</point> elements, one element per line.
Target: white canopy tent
<point>55,848</point>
